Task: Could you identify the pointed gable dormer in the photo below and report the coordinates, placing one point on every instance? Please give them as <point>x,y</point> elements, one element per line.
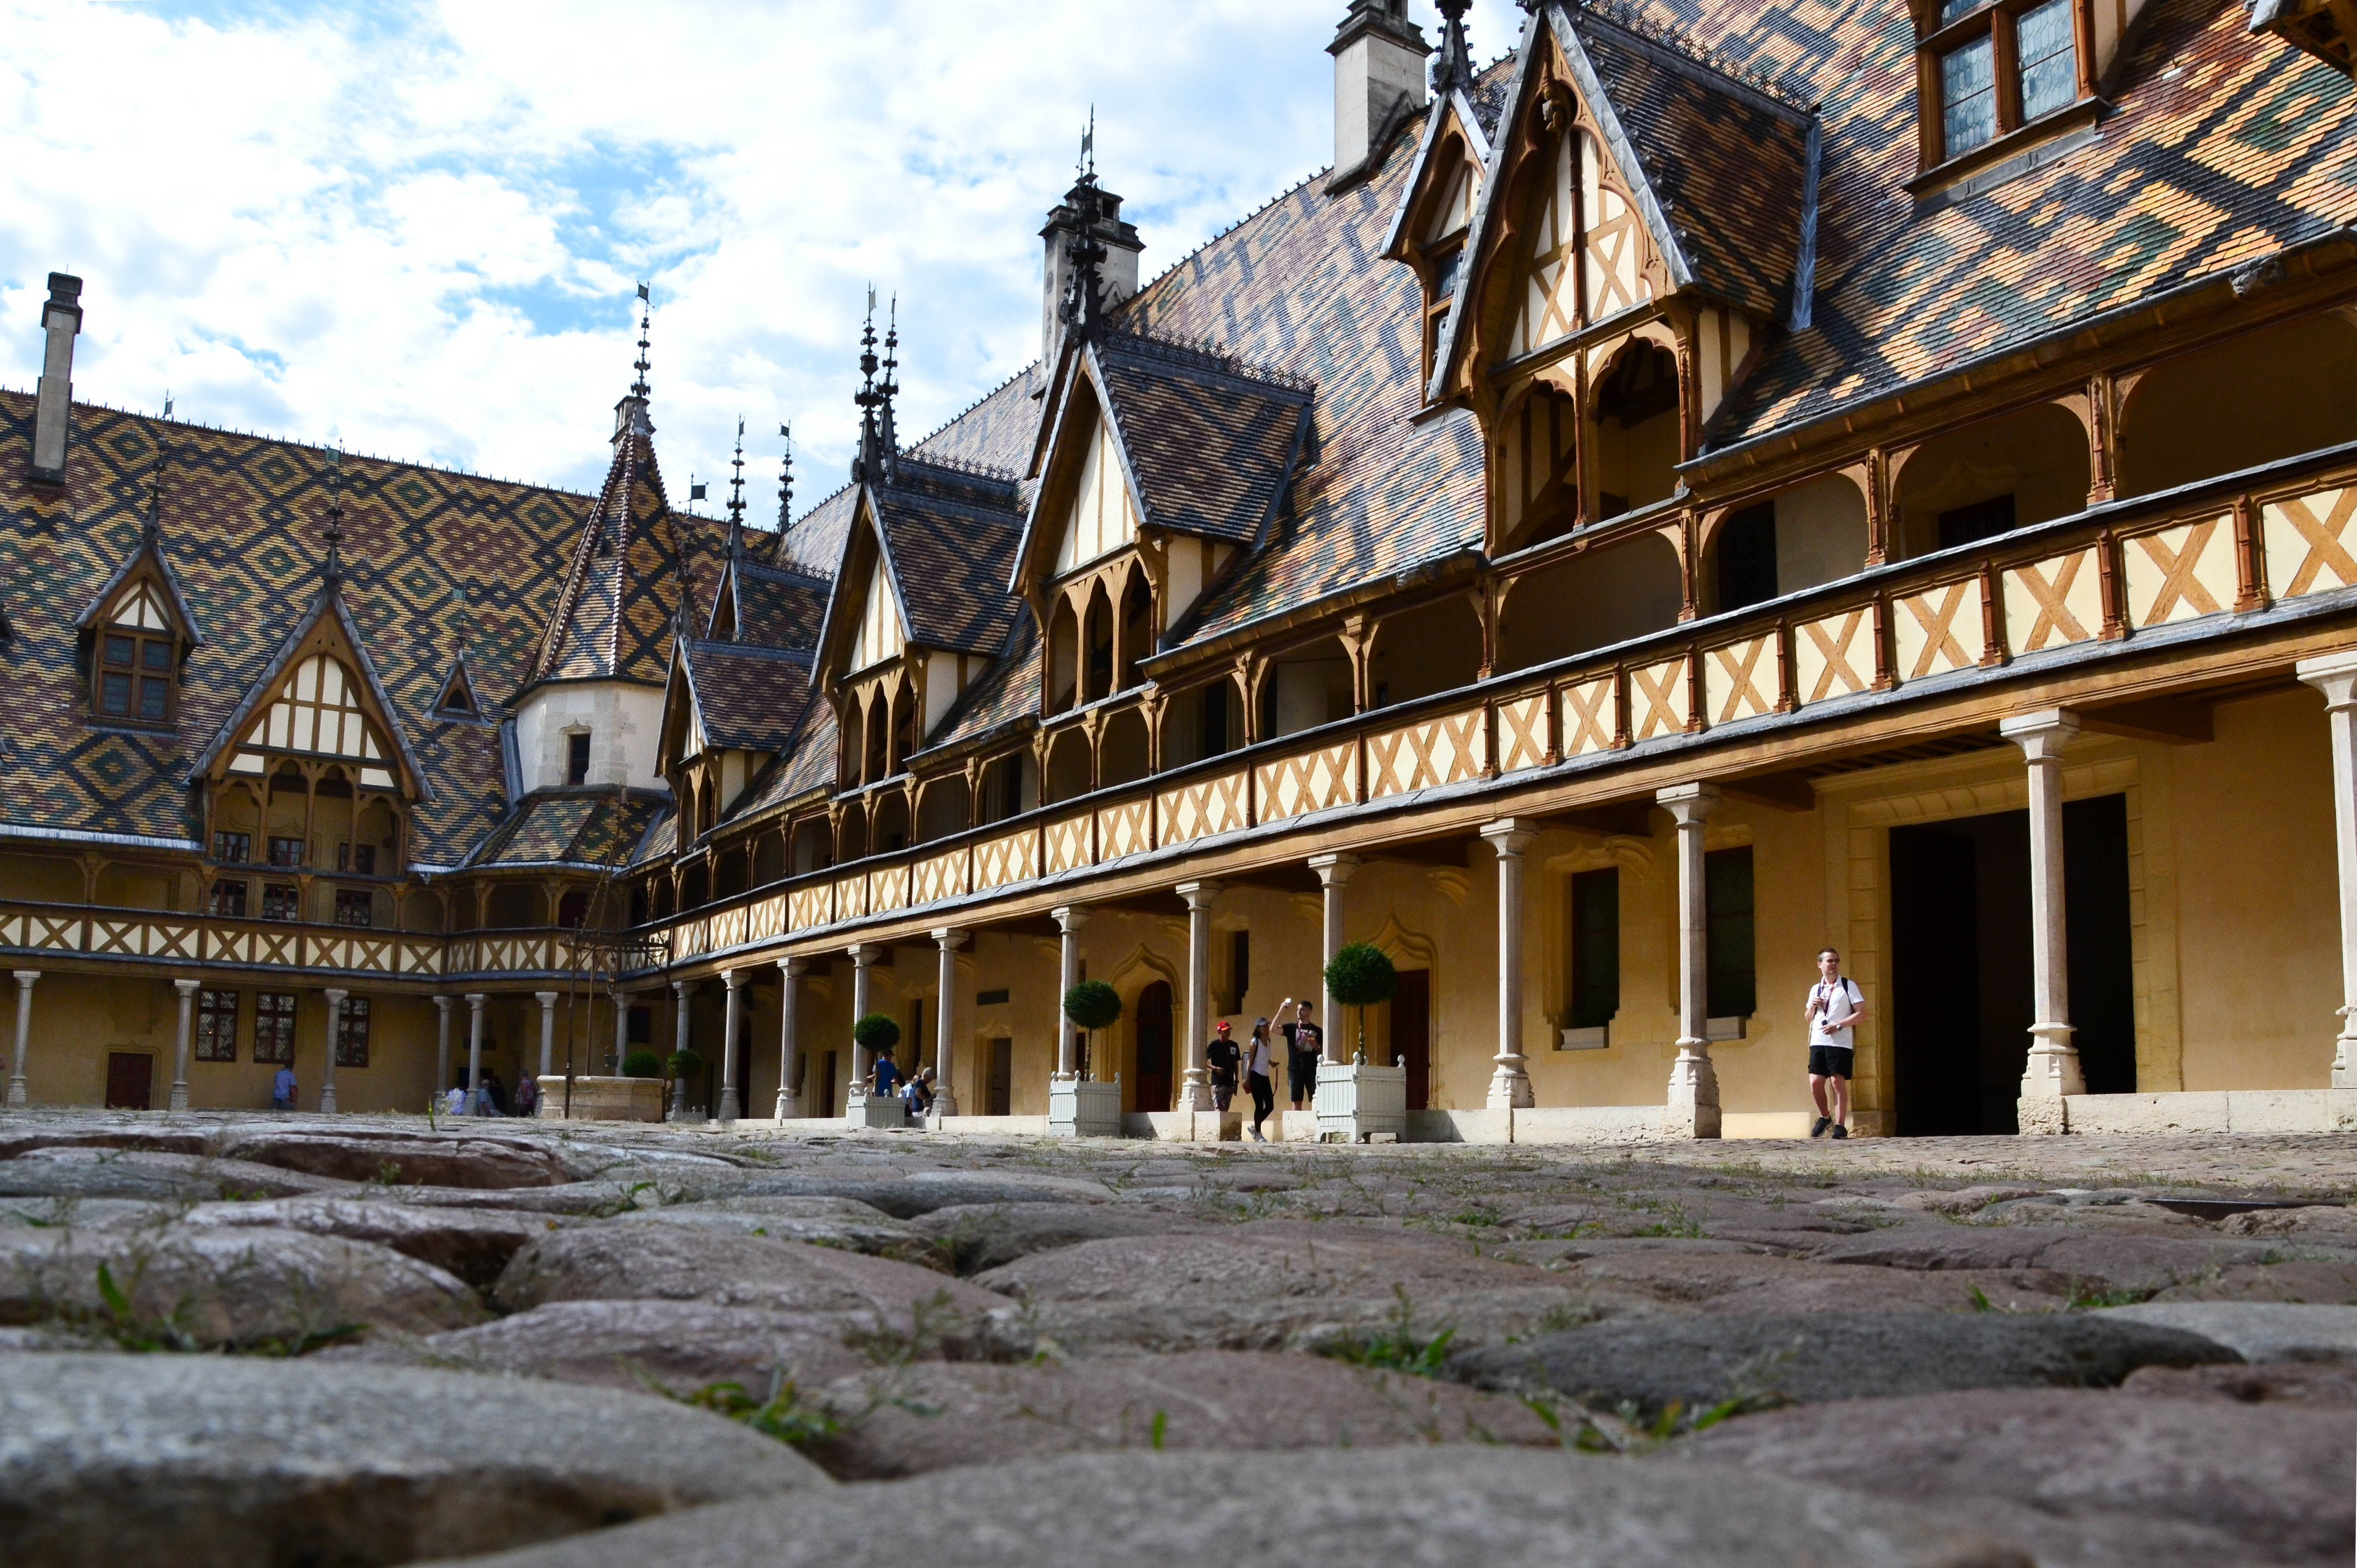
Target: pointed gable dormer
<point>1435,216</point>
<point>137,633</point>
<point>455,699</point>
<point>592,703</point>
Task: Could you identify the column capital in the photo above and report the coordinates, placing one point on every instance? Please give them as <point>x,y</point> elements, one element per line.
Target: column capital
<point>475,1000</point>
<point>187,987</point>
<point>2042,733</point>
<point>1069,918</point>
<point>1688,804</point>
<point>334,994</point>
<point>2335,675</point>
<point>1199,895</point>
<point>949,938</point>
<point>1333,870</point>
<point>732,978</point>
<point>792,968</point>
<point>679,987</point>
<point>1509,836</point>
<point>547,998</point>
<point>26,976</point>
<point>442,1004</point>
<point>866,954</point>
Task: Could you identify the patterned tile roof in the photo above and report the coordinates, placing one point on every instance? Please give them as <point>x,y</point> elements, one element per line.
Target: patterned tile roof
<point>2224,147</point>
<point>1211,443</point>
<point>951,536</point>
<point>571,827</point>
<point>432,561</point>
<point>808,765</point>
<point>615,616</point>
<point>777,606</point>
<point>1736,216</point>
<point>750,699</point>
<point>1007,692</point>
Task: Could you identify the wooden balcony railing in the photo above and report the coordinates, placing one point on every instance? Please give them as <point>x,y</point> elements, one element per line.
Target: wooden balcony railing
<point>2241,543</point>
<point>159,936</point>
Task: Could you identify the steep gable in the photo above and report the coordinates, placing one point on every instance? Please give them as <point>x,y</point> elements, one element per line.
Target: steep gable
<point>626,586</point>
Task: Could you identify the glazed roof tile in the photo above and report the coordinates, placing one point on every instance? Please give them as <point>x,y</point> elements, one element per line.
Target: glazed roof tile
<point>571,827</point>
<point>1211,443</point>
<point>951,537</point>
<point>749,699</point>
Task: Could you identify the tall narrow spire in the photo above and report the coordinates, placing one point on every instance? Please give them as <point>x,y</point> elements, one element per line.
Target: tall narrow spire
<point>331,570</point>
<point>1084,303</point>
<point>786,481</point>
<point>868,468</point>
<point>891,389</point>
<point>737,495</point>
<point>646,314</point>
<point>631,412</point>
<point>1452,69</point>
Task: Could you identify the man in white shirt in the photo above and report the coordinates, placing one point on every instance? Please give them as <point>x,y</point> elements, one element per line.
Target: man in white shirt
<point>1834,1005</point>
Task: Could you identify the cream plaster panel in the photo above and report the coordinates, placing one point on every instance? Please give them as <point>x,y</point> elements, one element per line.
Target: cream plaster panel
<point>1833,657</point>
<point>2181,574</point>
<point>1658,699</point>
<point>2053,603</point>
<point>2307,545</point>
<point>1740,680</point>
<point>1591,716</point>
<point>1938,630</point>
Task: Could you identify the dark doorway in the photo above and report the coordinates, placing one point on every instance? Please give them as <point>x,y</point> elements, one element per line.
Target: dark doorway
<point>1961,970</point>
<point>128,1076</point>
<point>1000,1100</point>
<point>826,1087</point>
<point>1154,1046</point>
<point>1412,1033</point>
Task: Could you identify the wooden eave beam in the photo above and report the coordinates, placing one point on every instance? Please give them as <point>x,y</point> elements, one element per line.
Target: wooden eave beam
<point>2177,721</point>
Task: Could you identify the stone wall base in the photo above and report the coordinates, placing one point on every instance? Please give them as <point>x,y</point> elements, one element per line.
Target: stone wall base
<point>2215,1110</point>
<point>602,1099</point>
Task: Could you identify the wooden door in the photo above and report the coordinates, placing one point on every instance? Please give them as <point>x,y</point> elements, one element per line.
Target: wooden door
<point>1412,1033</point>
<point>128,1075</point>
<point>1000,1100</point>
<point>1154,1091</point>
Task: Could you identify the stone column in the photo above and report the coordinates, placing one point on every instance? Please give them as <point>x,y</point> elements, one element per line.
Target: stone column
<point>1195,1089</point>
<point>621,1000</point>
<point>442,1049</point>
<point>680,1032</point>
<point>863,960</point>
<point>1333,871</point>
<point>1693,1109</point>
<point>24,978</point>
<point>2335,675</point>
<point>732,1024</point>
<point>1070,918</point>
<point>336,996</point>
<point>2053,1066</point>
<point>188,990</point>
<point>475,1000</point>
<point>944,1014</point>
<point>547,1000</point>
<point>790,986</point>
<point>1509,1082</point>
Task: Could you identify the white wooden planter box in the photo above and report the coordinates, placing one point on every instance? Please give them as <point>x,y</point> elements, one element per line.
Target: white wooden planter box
<point>1359,1102</point>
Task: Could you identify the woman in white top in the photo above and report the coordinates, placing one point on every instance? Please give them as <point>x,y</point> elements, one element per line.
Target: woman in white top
<point>1256,1079</point>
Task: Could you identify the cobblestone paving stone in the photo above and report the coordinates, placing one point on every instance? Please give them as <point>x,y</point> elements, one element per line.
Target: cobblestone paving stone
<point>902,1307</point>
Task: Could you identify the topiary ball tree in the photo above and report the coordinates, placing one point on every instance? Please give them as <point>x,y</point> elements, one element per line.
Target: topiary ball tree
<point>1093,1004</point>
<point>642,1064</point>
<point>685,1064</point>
<point>1361,976</point>
<point>876,1032</point>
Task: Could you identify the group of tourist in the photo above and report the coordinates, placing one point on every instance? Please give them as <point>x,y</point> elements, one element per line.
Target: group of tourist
<point>1255,1062</point>
<point>914,1091</point>
<point>492,1098</point>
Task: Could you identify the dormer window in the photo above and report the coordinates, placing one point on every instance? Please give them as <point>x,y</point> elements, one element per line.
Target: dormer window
<point>137,650</point>
<point>1990,69</point>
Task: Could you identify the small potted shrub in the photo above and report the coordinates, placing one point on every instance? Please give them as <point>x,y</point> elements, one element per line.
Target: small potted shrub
<point>1361,976</point>
<point>875,1034</point>
<point>685,1064</point>
<point>1093,1004</point>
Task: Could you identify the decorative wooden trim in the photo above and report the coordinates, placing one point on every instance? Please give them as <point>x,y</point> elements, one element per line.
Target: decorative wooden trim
<point>1886,676</point>
<point>2115,589</point>
<point>2250,558</point>
<point>1992,622</point>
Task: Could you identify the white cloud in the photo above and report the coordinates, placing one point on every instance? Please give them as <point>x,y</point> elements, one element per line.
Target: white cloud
<point>416,226</point>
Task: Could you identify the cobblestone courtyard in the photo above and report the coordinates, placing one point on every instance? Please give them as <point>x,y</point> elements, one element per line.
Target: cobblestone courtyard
<point>378,1340</point>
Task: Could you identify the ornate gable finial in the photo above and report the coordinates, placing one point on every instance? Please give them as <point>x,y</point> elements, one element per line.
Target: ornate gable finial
<point>786,482</point>
<point>1452,70</point>
<point>331,570</point>
<point>867,466</point>
<point>646,314</point>
<point>1083,308</point>
<point>889,431</point>
<point>737,495</point>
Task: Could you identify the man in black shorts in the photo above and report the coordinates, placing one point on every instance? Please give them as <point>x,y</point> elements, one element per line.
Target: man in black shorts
<point>1224,1058</point>
<point>1835,1005</point>
<point>1305,1046</point>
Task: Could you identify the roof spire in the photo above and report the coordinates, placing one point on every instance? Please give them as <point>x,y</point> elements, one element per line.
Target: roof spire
<point>1082,309</point>
<point>646,312</point>
<point>867,467</point>
<point>891,389</point>
<point>631,412</point>
<point>786,483</point>
<point>1452,70</point>
<point>737,495</point>
<point>331,570</point>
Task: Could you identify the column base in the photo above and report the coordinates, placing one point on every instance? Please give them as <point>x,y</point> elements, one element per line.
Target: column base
<point>1510,1086</point>
<point>789,1106</point>
<point>15,1091</point>
<point>945,1104</point>
<point>1194,1094</point>
<point>179,1100</point>
<point>728,1104</point>
<point>1692,1111</point>
<point>1083,1108</point>
<point>1358,1103</point>
<point>328,1101</point>
<point>2344,1052</point>
<point>2052,1071</point>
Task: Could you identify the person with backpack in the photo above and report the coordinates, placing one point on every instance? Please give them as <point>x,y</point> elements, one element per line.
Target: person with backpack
<point>1834,1007</point>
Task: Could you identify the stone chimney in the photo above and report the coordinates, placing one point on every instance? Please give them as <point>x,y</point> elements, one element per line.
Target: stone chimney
<point>1118,272</point>
<point>53,396</point>
<point>1378,59</point>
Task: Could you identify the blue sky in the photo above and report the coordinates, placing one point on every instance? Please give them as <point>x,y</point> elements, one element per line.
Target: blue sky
<point>416,228</point>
